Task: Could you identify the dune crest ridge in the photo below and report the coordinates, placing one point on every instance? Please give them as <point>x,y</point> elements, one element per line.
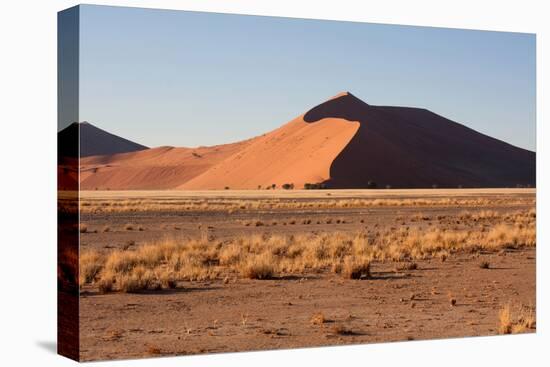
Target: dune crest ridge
<point>341,143</point>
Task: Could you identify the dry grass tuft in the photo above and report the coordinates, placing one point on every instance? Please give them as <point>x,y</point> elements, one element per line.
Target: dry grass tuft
<point>129,227</point>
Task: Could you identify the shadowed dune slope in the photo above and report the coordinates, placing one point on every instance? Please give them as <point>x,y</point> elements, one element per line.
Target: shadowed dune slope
<point>406,147</point>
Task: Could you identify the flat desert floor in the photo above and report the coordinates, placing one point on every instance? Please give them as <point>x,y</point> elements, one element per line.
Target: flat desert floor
<point>176,272</point>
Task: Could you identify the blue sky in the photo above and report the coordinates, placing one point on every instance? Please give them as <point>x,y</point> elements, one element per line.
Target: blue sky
<point>162,77</point>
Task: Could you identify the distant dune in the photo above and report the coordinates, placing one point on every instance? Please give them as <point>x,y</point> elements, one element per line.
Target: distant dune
<point>156,168</point>
<point>341,143</point>
<point>94,141</point>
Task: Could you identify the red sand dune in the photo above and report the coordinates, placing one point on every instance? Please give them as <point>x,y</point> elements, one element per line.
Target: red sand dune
<point>343,143</point>
<point>296,153</point>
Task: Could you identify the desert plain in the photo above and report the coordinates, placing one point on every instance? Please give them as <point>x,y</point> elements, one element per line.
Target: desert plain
<point>187,272</point>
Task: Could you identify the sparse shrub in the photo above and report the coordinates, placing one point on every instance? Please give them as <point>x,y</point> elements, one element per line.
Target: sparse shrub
<point>356,268</point>
<point>288,186</point>
<point>259,267</point>
<point>129,227</point>
<point>140,279</point>
<point>484,265</point>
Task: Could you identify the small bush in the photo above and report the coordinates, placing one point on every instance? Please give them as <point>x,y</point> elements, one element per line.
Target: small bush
<point>484,265</point>
<point>129,227</point>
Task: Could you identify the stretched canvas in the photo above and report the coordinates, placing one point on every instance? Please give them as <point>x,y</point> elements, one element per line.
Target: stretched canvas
<point>232,183</point>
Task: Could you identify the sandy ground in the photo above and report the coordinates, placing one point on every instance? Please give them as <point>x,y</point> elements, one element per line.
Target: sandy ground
<point>240,314</point>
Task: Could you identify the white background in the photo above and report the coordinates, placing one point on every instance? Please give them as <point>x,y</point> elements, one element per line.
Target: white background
<point>28,182</point>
